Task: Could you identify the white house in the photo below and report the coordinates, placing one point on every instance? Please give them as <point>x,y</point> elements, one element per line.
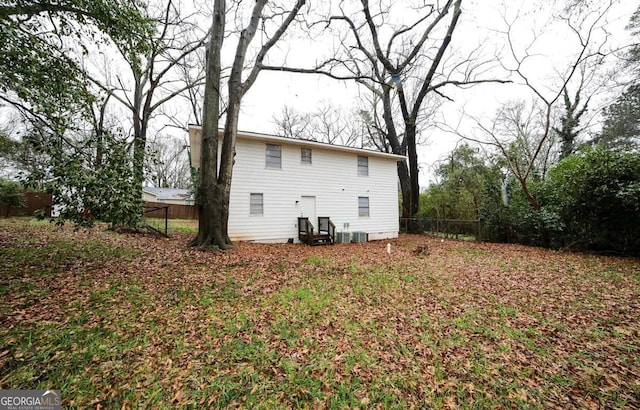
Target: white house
<point>276,180</point>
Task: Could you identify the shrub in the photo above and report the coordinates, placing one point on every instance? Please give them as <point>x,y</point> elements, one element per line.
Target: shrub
<point>107,192</point>
<point>596,196</point>
<point>11,194</point>
<point>516,221</point>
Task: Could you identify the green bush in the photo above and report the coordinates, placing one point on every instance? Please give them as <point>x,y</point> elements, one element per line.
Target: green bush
<point>107,192</point>
<point>596,196</point>
<point>11,194</point>
<point>516,221</point>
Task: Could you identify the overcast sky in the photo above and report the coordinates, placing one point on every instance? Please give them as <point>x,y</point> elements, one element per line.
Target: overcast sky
<point>481,22</point>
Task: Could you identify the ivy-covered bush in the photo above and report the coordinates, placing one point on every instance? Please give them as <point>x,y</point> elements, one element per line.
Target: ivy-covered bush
<point>596,195</point>
<point>106,191</point>
<point>11,194</point>
<point>589,201</point>
<point>514,220</point>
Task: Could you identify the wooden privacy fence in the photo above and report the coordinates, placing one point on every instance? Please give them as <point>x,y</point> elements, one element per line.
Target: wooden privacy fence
<point>40,200</point>
<point>173,212</point>
<point>34,201</point>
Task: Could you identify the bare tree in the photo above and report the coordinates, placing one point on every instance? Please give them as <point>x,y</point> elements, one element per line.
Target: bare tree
<point>523,134</point>
<point>291,123</point>
<point>154,74</point>
<point>168,163</point>
<point>215,177</point>
<point>192,73</point>
<point>587,26</point>
<point>14,152</point>
<point>373,123</point>
<point>404,65</point>
<point>518,132</point>
<point>327,123</point>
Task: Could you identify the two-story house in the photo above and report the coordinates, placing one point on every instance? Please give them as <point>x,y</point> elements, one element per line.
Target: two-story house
<point>276,180</point>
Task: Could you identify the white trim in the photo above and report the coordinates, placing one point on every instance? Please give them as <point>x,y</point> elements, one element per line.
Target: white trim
<point>274,139</point>
<point>363,168</point>
<point>270,157</point>
<point>302,157</point>
<point>361,207</point>
<point>256,195</point>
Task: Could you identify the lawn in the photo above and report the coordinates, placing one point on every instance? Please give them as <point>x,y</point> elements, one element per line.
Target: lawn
<point>173,225</point>
<point>131,321</point>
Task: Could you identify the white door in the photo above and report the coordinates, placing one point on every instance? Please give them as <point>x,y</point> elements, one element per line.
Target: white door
<point>308,209</point>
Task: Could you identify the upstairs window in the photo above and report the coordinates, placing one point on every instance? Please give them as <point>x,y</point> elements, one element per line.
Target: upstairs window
<point>274,156</point>
<point>363,166</point>
<point>363,206</point>
<point>256,204</point>
<point>305,155</point>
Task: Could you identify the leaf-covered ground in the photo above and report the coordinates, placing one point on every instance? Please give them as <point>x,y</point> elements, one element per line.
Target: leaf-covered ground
<point>130,321</point>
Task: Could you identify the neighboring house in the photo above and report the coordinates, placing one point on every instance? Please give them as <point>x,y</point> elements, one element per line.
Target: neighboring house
<point>167,195</point>
<point>276,180</point>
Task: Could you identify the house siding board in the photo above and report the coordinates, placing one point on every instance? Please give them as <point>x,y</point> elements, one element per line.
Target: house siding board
<point>332,178</point>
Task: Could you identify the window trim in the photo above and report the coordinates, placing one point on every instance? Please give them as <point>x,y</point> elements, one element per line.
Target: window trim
<point>363,167</point>
<point>361,208</point>
<point>267,163</point>
<point>253,195</point>
<point>302,157</point>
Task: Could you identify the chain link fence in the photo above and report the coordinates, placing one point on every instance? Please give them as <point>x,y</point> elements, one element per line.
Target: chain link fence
<point>467,229</point>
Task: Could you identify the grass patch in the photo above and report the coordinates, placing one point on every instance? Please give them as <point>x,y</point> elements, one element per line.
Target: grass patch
<point>315,260</point>
<point>59,256</point>
<point>456,236</point>
<point>174,226</point>
<point>136,321</point>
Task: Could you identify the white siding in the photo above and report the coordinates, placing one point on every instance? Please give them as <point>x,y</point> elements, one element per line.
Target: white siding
<point>332,178</point>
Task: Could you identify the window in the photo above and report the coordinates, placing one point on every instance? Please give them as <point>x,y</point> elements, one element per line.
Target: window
<point>305,155</point>
<point>274,156</point>
<point>256,204</point>
<point>363,166</point>
<point>363,206</point>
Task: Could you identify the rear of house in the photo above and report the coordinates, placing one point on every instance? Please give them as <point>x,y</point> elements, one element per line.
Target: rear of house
<point>276,180</point>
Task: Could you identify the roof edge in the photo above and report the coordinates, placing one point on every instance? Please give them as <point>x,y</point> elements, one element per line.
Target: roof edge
<point>301,142</point>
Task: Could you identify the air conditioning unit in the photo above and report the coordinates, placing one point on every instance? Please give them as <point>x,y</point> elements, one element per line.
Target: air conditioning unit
<point>359,237</point>
<point>343,237</point>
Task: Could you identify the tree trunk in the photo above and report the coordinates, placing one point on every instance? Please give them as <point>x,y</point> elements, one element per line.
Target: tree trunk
<point>227,159</point>
<point>405,189</point>
<point>139,137</point>
<point>209,196</point>
<point>398,148</point>
<point>217,224</point>
<point>100,131</point>
<point>227,153</point>
<point>99,148</point>
<point>139,146</point>
<point>414,185</point>
<point>210,227</point>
